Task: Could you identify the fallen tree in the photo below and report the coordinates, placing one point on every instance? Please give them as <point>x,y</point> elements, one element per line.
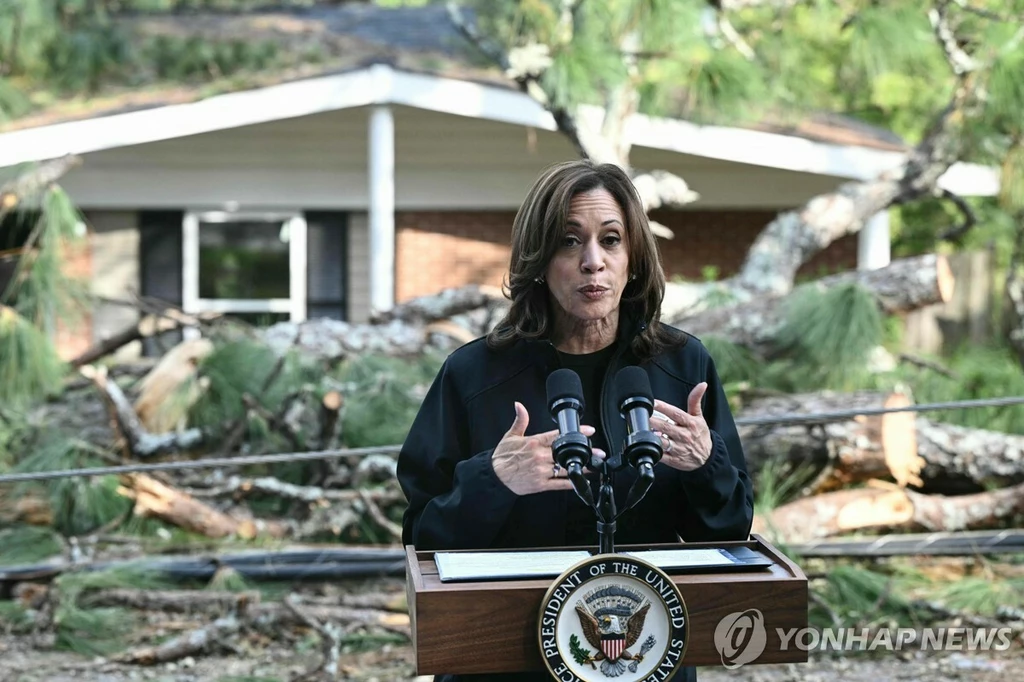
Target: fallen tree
<point>902,286</point>
<point>886,507</point>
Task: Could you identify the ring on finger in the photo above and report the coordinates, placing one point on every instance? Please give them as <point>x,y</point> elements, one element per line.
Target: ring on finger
<point>555,470</point>
<point>667,444</point>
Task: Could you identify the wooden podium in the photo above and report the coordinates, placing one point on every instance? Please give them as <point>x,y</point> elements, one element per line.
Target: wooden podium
<point>491,626</point>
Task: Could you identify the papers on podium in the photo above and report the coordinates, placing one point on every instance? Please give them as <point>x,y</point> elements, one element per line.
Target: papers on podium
<point>498,565</point>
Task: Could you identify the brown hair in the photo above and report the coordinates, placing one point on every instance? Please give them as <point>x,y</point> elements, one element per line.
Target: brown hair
<point>538,230</point>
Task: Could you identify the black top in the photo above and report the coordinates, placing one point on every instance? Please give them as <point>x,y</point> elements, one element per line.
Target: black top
<point>581,521</point>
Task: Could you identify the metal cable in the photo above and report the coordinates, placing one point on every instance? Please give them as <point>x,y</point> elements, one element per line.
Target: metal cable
<point>197,463</point>
<point>823,417</point>
<point>209,462</point>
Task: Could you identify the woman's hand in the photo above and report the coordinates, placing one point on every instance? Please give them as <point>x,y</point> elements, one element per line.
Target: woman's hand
<point>525,463</point>
<point>686,439</point>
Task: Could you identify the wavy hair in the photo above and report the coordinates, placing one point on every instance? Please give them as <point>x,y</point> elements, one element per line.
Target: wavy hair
<point>538,230</point>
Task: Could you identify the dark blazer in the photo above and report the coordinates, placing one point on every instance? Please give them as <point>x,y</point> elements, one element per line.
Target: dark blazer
<point>457,502</point>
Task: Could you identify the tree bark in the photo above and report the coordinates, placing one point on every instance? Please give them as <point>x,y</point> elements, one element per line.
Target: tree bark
<point>903,285</point>
<point>834,454</point>
<point>891,508</point>
<point>139,442</point>
<point>194,642</point>
<point>155,405</point>
<point>173,601</point>
<point>960,459</point>
<point>154,499</point>
<point>33,181</point>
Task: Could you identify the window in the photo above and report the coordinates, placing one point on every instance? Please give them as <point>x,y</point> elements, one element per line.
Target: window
<point>248,264</point>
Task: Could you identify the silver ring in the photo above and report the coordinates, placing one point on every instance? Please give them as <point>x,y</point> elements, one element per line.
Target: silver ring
<point>668,442</point>
<point>554,471</point>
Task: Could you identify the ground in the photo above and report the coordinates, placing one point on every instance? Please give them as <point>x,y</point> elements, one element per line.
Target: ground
<point>19,663</point>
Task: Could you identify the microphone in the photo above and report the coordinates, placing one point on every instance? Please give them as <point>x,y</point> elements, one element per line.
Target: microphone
<point>571,449</point>
<point>643,448</point>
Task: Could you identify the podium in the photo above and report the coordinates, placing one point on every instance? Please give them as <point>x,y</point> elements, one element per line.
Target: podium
<point>490,626</point>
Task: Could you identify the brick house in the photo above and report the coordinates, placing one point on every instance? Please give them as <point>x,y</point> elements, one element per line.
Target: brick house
<point>335,195</point>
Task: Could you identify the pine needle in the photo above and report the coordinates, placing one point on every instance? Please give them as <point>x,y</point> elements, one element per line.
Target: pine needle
<point>28,544</point>
<point>831,333</point>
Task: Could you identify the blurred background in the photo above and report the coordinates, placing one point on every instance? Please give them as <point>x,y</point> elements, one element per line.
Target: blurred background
<point>237,229</point>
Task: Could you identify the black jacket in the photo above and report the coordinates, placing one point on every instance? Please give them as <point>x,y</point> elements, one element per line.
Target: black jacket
<point>457,502</point>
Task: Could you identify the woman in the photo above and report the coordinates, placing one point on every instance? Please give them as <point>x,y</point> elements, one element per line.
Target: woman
<point>586,286</point>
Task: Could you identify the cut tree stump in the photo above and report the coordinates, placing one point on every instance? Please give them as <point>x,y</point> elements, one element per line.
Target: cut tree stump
<point>887,507</point>
<point>835,454</point>
<point>964,460</point>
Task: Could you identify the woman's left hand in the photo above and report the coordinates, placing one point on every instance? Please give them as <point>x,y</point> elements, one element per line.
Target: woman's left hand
<point>686,439</point>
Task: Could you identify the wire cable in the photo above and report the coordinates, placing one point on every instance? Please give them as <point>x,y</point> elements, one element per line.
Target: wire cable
<point>211,462</point>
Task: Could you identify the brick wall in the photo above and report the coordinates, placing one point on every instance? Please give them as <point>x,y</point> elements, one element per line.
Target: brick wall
<point>437,249</point>
<point>722,238</point>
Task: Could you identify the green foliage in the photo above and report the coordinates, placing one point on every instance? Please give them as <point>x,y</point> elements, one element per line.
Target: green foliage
<point>861,597</point>
<point>27,544</point>
<point>979,372</point>
<point>14,617</point>
<point>983,595</point>
<point>29,365</point>
<point>376,385</point>
<point>241,368</point>
<point>79,505</point>
<point>97,631</point>
<point>827,337</point>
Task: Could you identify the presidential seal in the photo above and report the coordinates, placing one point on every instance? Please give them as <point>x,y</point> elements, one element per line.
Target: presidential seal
<point>613,617</point>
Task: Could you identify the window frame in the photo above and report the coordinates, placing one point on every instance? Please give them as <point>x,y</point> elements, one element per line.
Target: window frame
<point>294,305</point>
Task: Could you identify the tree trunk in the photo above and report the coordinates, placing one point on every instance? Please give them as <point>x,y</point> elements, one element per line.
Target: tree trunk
<point>156,407</point>
<point>139,442</point>
<point>154,499</point>
<point>834,454</point>
<point>889,508</point>
<point>903,285</point>
<point>960,460</point>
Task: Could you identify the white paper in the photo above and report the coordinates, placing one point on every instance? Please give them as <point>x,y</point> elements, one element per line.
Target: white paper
<point>683,558</point>
<point>489,565</point>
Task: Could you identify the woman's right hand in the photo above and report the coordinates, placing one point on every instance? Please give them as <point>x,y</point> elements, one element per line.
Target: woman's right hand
<point>525,463</point>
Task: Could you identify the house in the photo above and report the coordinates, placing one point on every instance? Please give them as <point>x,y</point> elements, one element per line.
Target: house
<point>338,194</point>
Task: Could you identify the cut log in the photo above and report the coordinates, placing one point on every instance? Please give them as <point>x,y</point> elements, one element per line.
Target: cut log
<point>154,499</point>
<point>901,286</point>
<point>441,306</point>
<point>173,601</point>
<point>138,441</point>
<point>961,460</point>
<point>834,454</point>
<point>160,406</point>
<point>236,486</point>
<point>886,507</point>
<point>195,642</point>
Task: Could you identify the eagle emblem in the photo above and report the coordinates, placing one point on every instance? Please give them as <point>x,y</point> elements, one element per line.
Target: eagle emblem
<point>612,619</point>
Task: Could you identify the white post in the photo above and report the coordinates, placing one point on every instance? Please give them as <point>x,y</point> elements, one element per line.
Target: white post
<point>382,209</point>
<point>873,243</point>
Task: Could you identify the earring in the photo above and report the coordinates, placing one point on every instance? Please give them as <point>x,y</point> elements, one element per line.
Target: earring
<point>632,277</point>
<point>538,280</point>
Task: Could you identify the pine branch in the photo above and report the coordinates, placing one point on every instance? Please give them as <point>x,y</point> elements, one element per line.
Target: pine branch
<point>33,182</point>
<point>956,233</point>
<point>529,80</point>
<point>959,61</point>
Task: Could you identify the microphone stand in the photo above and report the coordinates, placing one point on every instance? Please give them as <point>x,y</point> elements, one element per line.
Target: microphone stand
<point>606,514</point>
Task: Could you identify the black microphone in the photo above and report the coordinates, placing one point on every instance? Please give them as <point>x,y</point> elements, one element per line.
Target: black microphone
<point>571,449</point>
<point>643,448</point>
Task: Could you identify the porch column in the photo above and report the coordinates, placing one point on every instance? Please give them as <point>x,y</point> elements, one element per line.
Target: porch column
<point>382,208</point>
<point>873,245</point>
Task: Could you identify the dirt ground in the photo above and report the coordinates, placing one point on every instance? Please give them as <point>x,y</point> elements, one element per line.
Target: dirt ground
<point>20,663</point>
